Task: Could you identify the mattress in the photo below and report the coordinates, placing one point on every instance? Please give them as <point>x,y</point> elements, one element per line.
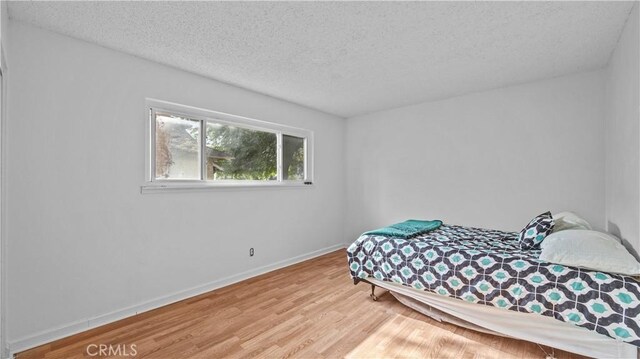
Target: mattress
<point>487,267</point>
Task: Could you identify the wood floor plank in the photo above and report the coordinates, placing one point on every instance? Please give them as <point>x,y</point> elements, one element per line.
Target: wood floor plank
<point>308,310</point>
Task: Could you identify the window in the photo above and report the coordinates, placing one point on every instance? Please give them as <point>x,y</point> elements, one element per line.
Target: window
<point>192,148</point>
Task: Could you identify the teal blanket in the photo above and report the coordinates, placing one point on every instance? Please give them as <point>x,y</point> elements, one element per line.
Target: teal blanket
<point>406,229</point>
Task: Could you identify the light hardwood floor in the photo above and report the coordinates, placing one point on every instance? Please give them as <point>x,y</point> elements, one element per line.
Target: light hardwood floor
<point>309,310</point>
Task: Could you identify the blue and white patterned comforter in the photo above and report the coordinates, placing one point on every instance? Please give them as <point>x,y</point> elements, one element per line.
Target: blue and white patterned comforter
<point>487,267</point>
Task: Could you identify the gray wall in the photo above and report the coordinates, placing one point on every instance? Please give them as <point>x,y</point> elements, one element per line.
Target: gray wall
<point>83,241</point>
<point>622,134</point>
<point>4,23</point>
<point>492,159</point>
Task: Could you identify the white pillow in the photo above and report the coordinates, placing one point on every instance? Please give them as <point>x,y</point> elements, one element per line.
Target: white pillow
<point>569,220</point>
<point>590,250</point>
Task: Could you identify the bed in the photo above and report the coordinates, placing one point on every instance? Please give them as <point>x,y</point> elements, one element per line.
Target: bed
<point>483,277</point>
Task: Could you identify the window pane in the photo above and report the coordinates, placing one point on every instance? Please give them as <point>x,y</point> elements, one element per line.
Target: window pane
<point>292,158</point>
<point>235,153</point>
<point>177,147</point>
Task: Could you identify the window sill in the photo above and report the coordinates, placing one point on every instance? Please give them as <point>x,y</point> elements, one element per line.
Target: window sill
<point>197,187</point>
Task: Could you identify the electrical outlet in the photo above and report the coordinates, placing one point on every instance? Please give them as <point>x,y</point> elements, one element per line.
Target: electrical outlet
<point>251,252</point>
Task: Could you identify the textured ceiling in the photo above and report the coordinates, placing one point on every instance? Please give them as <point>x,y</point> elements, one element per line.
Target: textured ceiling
<point>350,58</point>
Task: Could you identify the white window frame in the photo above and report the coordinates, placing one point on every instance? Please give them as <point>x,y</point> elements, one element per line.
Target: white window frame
<point>153,184</point>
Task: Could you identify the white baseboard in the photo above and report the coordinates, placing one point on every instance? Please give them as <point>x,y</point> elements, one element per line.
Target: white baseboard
<point>63,331</point>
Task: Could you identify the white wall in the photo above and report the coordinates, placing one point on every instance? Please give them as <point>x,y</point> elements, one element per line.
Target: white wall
<point>83,241</point>
<point>622,134</point>
<point>492,159</point>
<point>4,21</point>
